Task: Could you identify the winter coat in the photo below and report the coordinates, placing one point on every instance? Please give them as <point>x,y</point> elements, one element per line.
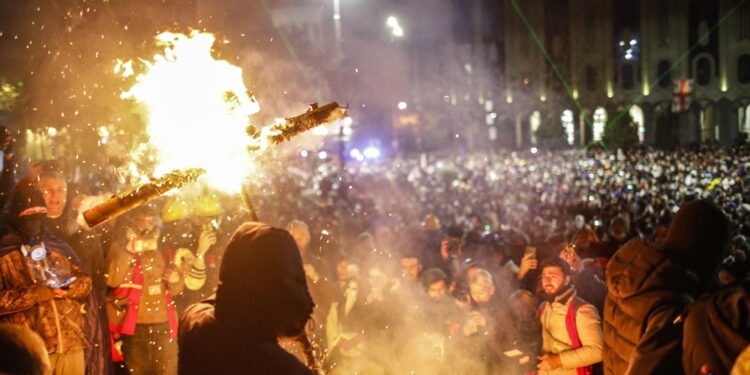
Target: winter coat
<point>153,305</point>
<point>649,289</point>
<point>262,296</point>
<point>647,294</point>
<point>556,340</point>
<point>209,347</point>
<point>19,304</point>
<point>717,330</point>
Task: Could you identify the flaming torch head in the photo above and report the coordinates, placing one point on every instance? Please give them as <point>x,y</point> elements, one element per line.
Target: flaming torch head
<point>124,202</point>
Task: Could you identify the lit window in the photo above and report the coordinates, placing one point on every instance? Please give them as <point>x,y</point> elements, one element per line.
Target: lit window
<point>600,120</point>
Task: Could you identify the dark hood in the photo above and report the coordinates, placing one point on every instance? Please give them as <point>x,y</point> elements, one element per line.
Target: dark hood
<point>262,284</point>
<point>22,198</point>
<point>699,237</point>
<point>640,269</point>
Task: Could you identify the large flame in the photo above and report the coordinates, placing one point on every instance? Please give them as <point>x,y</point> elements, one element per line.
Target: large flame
<point>196,109</point>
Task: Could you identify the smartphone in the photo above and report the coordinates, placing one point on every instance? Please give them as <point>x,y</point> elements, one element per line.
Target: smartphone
<point>530,250</point>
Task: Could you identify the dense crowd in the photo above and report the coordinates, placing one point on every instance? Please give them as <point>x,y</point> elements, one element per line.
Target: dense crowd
<point>479,263</point>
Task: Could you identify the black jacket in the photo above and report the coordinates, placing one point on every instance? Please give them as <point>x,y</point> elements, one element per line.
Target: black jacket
<point>262,295</point>
<point>209,347</point>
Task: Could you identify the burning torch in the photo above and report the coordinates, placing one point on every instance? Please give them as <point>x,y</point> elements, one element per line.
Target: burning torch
<point>278,133</point>
<point>288,129</point>
<point>124,202</point>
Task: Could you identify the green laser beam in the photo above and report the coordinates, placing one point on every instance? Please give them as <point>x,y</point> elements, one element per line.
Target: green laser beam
<point>551,62</point>
<point>705,36</point>
<point>292,51</point>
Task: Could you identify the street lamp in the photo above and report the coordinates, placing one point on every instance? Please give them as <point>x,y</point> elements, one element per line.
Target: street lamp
<point>337,26</point>
<point>396,29</point>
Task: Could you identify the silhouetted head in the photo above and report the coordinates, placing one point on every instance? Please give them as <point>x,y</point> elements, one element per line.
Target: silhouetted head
<point>699,238</point>
<point>262,286</point>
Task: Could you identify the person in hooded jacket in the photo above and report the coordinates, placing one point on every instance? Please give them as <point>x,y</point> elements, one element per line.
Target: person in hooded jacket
<point>61,222</point>
<point>717,330</point>
<point>262,296</point>
<point>41,283</point>
<point>649,289</point>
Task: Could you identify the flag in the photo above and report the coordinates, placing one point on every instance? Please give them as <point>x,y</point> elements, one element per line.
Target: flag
<point>682,95</point>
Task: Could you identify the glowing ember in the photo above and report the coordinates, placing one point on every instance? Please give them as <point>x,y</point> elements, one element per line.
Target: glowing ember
<point>196,109</point>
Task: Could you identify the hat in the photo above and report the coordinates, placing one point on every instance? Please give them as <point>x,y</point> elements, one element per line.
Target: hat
<point>175,209</point>
<point>22,198</point>
<point>208,205</point>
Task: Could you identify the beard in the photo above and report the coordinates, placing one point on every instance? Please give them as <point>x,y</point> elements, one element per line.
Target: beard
<point>560,290</point>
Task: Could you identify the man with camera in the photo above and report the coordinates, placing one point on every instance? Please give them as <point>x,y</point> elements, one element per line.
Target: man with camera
<point>140,308</point>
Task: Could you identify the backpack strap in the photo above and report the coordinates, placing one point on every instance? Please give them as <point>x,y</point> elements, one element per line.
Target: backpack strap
<point>571,326</point>
<point>540,310</point>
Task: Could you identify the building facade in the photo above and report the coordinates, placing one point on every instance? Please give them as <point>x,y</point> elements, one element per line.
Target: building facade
<point>606,60</point>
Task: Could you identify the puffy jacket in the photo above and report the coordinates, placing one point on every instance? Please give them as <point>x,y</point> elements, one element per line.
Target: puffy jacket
<point>555,337</point>
<point>717,330</point>
<point>648,293</point>
<point>649,289</point>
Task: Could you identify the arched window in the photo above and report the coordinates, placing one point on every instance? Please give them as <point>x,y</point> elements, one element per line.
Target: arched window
<point>743,69</point>
<point>664,74</point>
<point>535,120</point>
<point>636,113</point>
<point>627,74</point>
<point>569,126</point>
<point>703,71</point>
<point>600,120</point>
<point>590,78</point>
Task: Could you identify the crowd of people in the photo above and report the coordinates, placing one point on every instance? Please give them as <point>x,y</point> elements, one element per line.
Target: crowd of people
<point>556,262</point>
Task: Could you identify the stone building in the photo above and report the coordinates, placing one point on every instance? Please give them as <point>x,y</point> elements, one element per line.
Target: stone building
<point>623,57</point>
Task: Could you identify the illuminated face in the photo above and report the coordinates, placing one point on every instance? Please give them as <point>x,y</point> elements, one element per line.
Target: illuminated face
<point>579,221</point>
<point>410,268</point>
<point>55,192</point>
<point>144,222</point>
<point>481,290</point>
<point>554,280</point>
<point>450,247</point>
<point>437,290</point>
